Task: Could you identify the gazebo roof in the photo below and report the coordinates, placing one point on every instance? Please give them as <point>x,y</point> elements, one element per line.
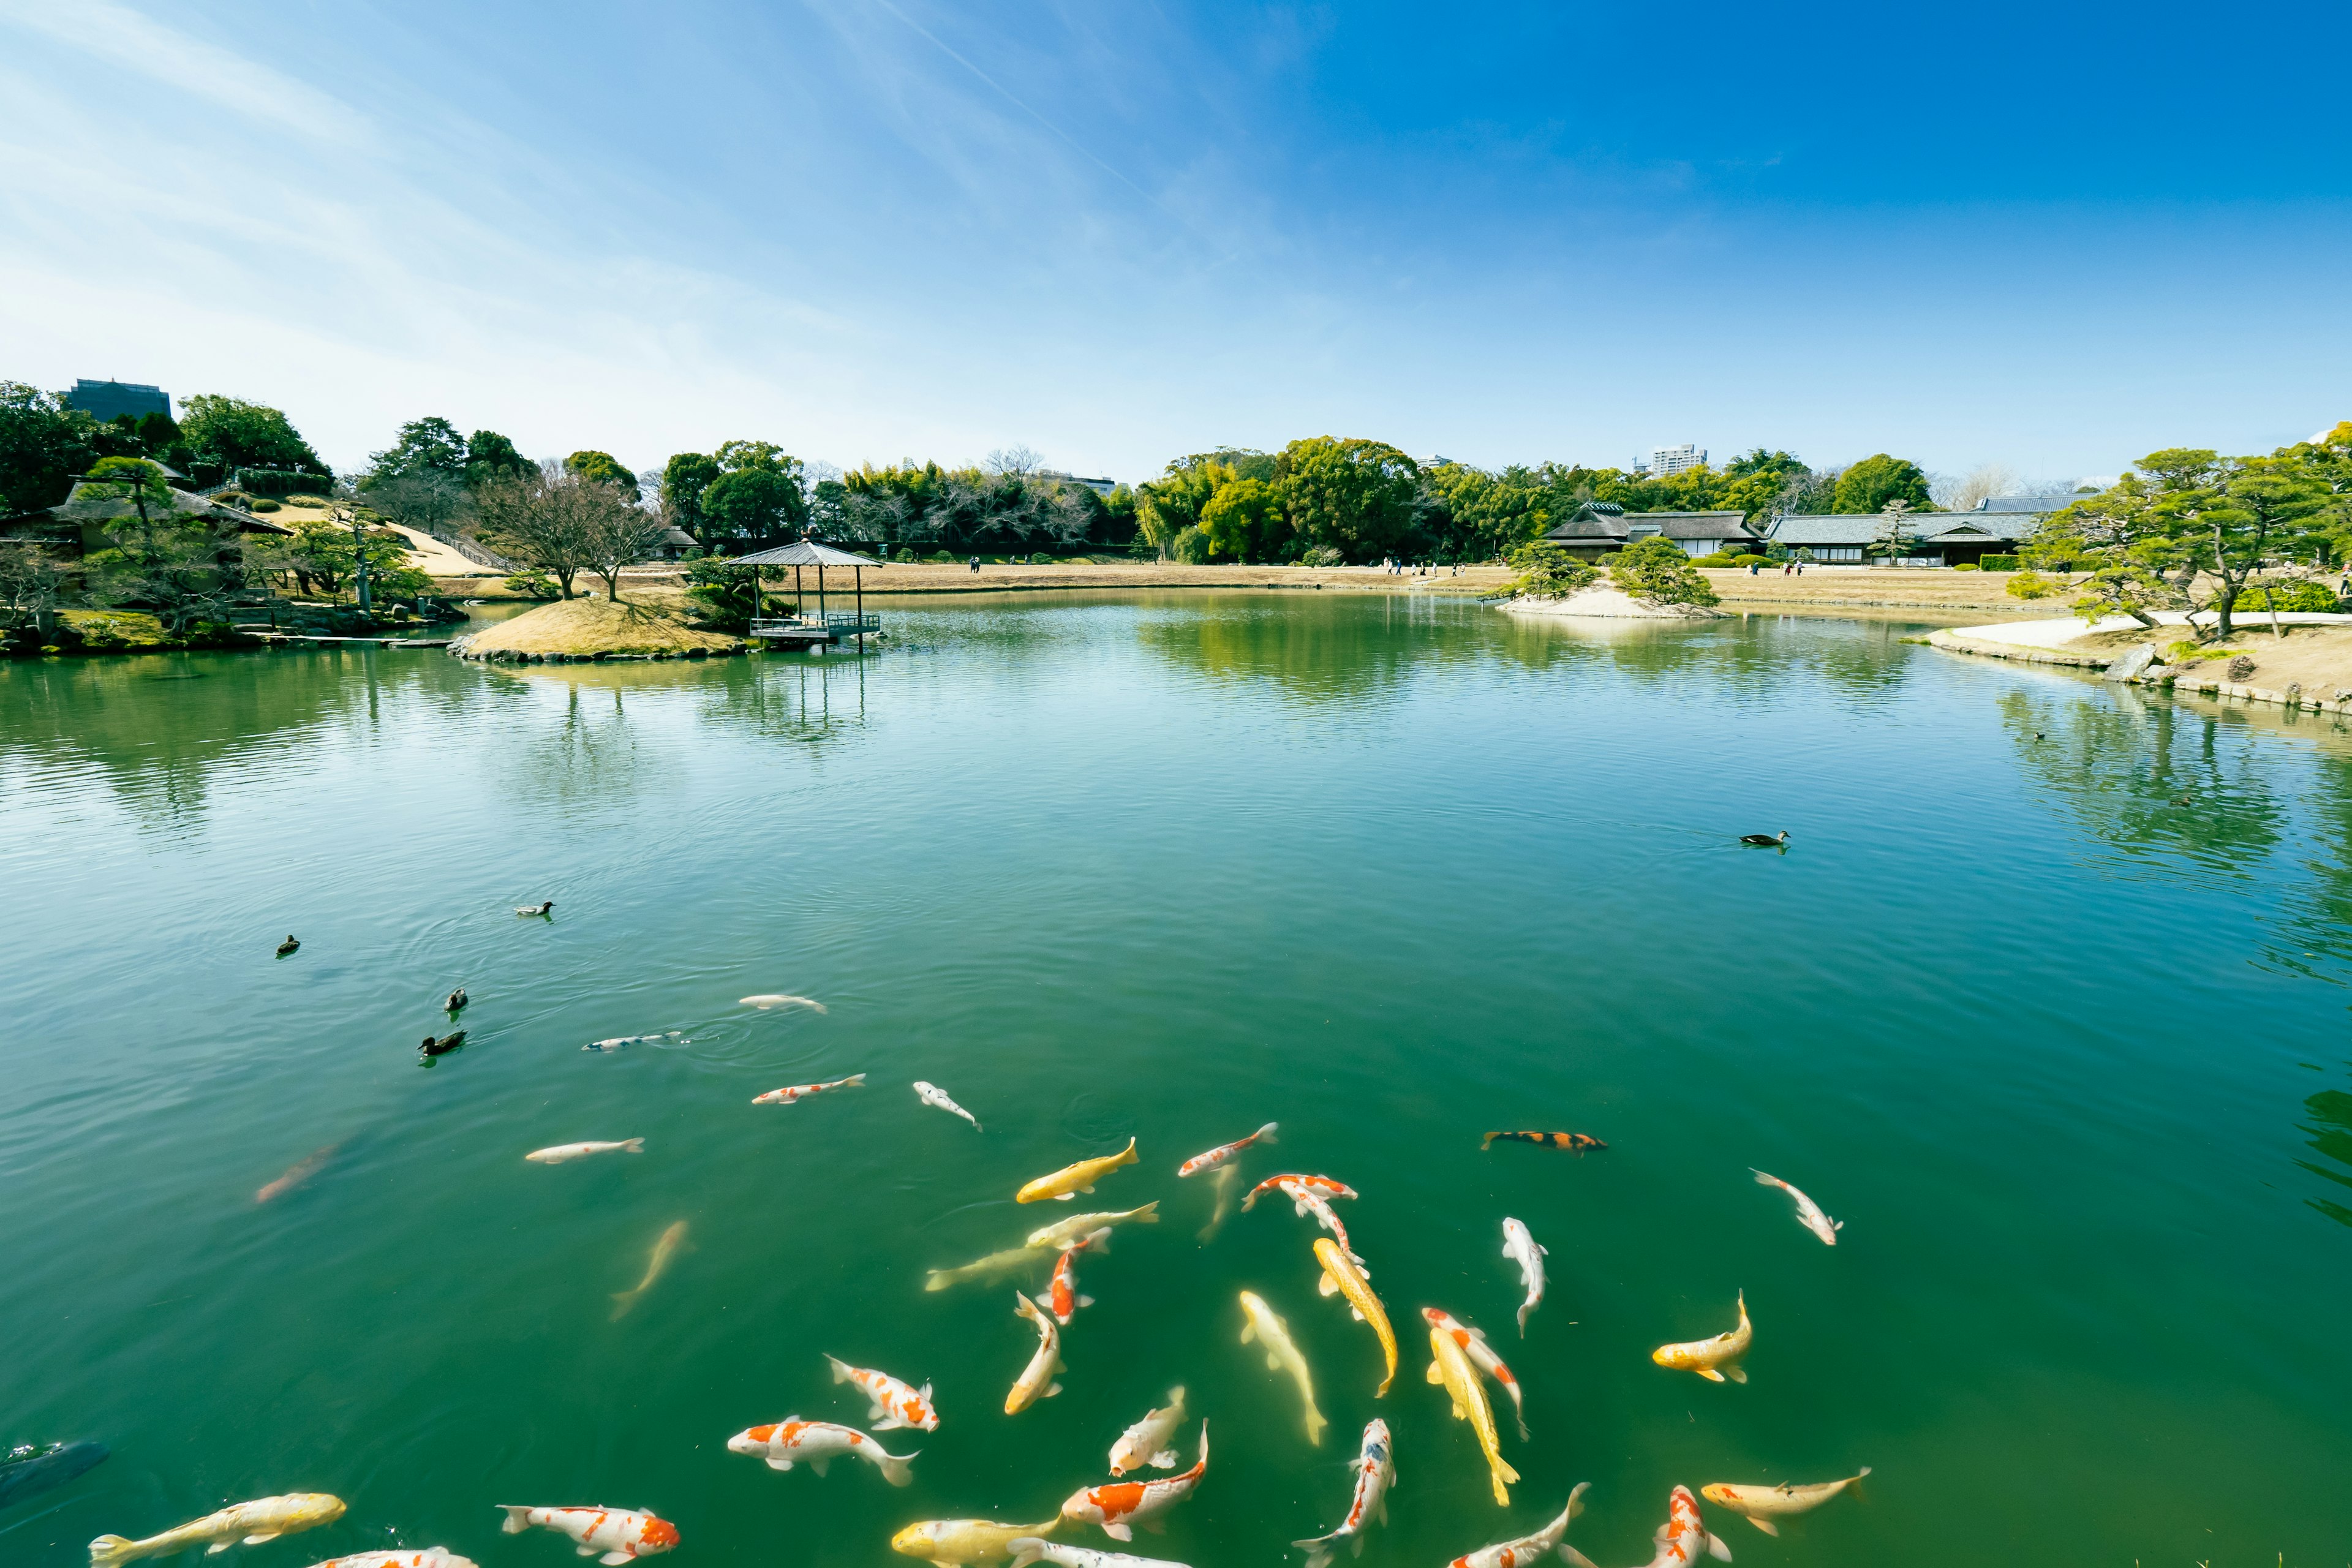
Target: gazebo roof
<point>807,552</point>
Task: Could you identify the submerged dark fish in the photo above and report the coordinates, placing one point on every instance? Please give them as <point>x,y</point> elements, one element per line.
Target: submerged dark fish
<point>1577,1141</point>
<point>28,1468</point>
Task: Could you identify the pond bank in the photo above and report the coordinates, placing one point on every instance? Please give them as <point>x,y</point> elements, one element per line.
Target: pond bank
<point>2310,667</point>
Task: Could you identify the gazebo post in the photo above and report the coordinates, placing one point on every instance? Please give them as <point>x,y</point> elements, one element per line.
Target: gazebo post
<point>857,575</point>
<point>819,593</point>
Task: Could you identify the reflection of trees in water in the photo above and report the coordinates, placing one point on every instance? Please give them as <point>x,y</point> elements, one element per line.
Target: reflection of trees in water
<point>2331,1139</point>
<point>808,702</point>
<point>1317,649</point>
<point>2122,766</point>
<point>155,726</point>
<point>1748,655</point>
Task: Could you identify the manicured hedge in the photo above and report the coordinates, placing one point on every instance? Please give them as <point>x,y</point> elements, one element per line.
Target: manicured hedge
<point>2000,563</point>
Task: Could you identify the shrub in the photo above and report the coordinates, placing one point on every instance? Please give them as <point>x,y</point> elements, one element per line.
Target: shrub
<point>1323,555</point>
<point>941,556</point>
<point>533,585</point>
<point>1041,559</point>
<point>904,555</point>
<point>261,506</point>
<point>274,481</point>
<point>1718,559</point>
<point>1748,560</point>
<point>1191,546</point>
<point>2032,585</point>
<point>1999,563</point>
<point>1965,566</point>
<point>234,498</point>
<point>2261,597</point>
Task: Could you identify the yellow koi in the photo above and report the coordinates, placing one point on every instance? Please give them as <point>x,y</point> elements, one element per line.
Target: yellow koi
<point>1078,1178</point>
<point>1342,1277</point>
<point>1450,1367</point>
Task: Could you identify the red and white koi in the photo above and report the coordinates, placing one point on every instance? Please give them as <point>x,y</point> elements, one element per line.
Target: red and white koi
<point>1482,1355</point>
<point>1529,1549</point>
<point>1292,1185</point>
<point>1226,1151</point>
<point>801,1091</point>
<point>1682,1541</point>
<point>1146,1442</point>
<point>816,1444</point>
<point>895,1404</point>
<point>1809,1213</point>
<point>565,1153</point>
<point>622,1535</point>
<point>1120,1506</point>
<point>1035,1381</point>
<point>1375,1468</point>
<point>1062,1298</point>
<point>1522,1249</point>
<point>415,1557</point>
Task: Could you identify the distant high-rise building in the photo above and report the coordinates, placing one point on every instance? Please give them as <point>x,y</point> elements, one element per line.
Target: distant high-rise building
<point>104,400</point>
<point>1666,460</point>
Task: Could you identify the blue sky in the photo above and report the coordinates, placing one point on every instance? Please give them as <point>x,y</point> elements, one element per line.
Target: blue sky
<point>2050,236</point>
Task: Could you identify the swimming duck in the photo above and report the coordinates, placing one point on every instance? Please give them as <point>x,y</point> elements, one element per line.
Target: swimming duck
<point>289,945</point>
<point>534,908</point>
<point>1765,838</point>
<point>457,1001</point>
<point>443,1046</point>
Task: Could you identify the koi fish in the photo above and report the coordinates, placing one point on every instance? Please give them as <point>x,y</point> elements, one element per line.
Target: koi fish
<point>895,1403</point>
<point>1714,1359</point>
<point>1225,1151</point>
<point>814,1444</point>
<point>1323,1187</point>
<point>1054,1237</point>
<point>1342,1277</point>
<point>1028,1551</point>
<point>623,1534</point>
<point>562,1154</point>
<point>801,1091</point>
<point>26,1469</point>
<point>297,1173</point>
<point>1760,1506</point>
<point>932,1094</point>
<point>1375,1468</point>
<point>1450,1368</point>
<point>1081,1177</point>
<point>423,1557</point>
<point>1062,1298</point>
<point>623,1042</point>
<point>672,1242</point>
<point>1146,1442</point>
<point>1312,1202</point>
<point>994,1266</point>
<point>1682,1541</point>
<point>264,1518</point>
<point>958,1543</point>
<point>1809,1213</point>
<point>1529,1549</point>
<point>1482,1356</point>
<point>1259,1323</point>
<point>1576,1143</point>
<point>1223,1180</point>
<point>1036,1380</point>
<point>1522,1249</point>
<point>1119,1506</point>
<point>769,999</point>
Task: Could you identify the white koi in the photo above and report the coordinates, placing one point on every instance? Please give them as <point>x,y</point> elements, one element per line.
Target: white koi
<point>1015,1260</point>
<point>801,1091</point>
<point>1054,1237</point>
<point>1259,1323</point>
<point>564,1153</point>
<point>1809,1213</point>
<point>1119,1506</point>
<point>1148,1441</point>
<point>1375,1468</point>
<point>931,1094</point>
<point>1522,1249</point>
<point>767,1000</point>
<point>1035,1381</point>
<point>264,1518</point>
<point>1031,1549</point>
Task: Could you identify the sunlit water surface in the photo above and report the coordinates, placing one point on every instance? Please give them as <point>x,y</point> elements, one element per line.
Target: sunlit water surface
<point>2067,1057</point>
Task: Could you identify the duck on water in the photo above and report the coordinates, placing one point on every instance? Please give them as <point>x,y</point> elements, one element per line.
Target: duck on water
<point>1766,839</point>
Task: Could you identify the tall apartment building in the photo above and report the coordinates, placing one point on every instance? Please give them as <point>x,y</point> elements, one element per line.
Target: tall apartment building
<point>1666,460</point>
<point>103,400</point>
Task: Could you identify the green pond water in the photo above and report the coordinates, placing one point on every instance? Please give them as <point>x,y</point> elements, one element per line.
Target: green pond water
<point>2069,1061</point>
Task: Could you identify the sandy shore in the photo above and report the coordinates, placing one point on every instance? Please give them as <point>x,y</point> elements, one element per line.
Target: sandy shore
<point>2309,667</point>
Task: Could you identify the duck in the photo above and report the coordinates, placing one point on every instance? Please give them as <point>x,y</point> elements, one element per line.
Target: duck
<point>443,1046</point>
<point>456,1002</point>
<point>1766,839</point>
<point>534,908</point>
<point>289,945</point>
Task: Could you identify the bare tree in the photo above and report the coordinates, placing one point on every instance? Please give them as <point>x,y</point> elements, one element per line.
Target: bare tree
<point>619,533</point>
<point>1016,460</point>
<point>30,585</point>
<point>422,499</point>
<point>1974,487</point>
<point>544,520</point>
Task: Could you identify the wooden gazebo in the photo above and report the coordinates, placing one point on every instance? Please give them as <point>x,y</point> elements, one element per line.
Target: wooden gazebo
<point>827,627</point>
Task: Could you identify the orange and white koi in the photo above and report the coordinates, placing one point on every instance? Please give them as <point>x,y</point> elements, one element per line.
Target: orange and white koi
<point>814,1444</point>
<point>1146,1442</point>
<point>416,1557</point>
<point>1075,1178</point>
<point>1342,1277</point>
<point>1809,1213</point>
<point>1375,1468</point>
<point>1714,1359</point>
<point>895,1405</point>
<point>1293,1185</point>
<point>1522,1249</point>
<point>1450,1367</point>
<point>1062,1298</point>
<point>1225,1151</point>
<point>1035,1381</point>
<point>565,1153</point>
<point>264,1518</point>
<point>623,1534</point>
<point>1120,1506</point>
<point>1760,1506</point>
<point>1682,1541</point>
<point>801,1091</point>
<point>1482,1355</point>
<point>1529,1550</point>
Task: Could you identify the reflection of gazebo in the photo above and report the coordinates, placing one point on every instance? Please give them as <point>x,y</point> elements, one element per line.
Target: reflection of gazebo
<point>804,630</point>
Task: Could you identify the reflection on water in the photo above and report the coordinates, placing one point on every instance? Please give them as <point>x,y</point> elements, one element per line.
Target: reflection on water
<point>2331,1138</point>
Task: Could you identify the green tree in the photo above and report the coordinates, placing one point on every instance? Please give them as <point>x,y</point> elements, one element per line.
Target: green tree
<point>428,446</point>
<point>1167,506</point>
<point>735,456</point>
<point>753,503</point>
<point>603,468</point>
<point>1489,515</point>
<point>683,479</point>
<point>1244,520</point>
<point>158,557</point>
<point>1869,485</point>
<point>1355,496</point>
<point>1550,571</point>
<point>490,456</point>
<point>1897,539</point>
<point>1656,572</point>
<point>230,433</point>
<point>44,443</point>
<point>158,433</point>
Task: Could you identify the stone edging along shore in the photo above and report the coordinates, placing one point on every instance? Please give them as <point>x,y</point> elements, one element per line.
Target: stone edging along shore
<point>2164,677</point>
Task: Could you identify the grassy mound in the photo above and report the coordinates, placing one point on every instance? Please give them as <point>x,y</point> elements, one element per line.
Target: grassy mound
<point>583,628</point>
